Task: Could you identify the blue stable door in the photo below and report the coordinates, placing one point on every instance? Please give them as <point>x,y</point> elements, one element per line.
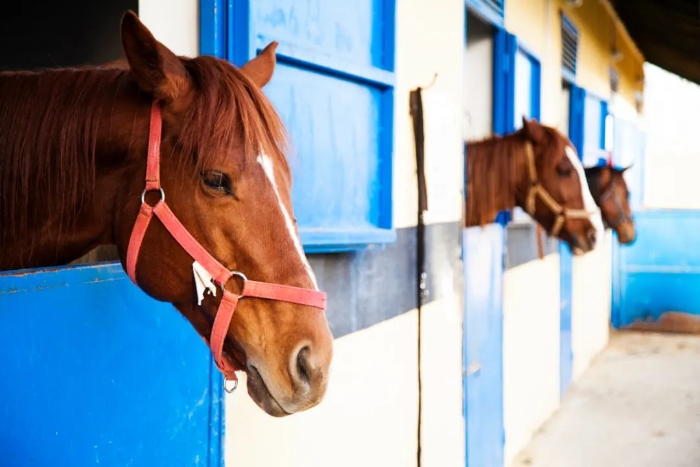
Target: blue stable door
<point>577,99</point>
<point>483,259</point>
<point>94,372</point>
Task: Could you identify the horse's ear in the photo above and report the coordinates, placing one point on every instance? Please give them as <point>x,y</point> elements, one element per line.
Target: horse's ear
<point>534,130</point>
<point>158,70</point>
<point>259,70</point>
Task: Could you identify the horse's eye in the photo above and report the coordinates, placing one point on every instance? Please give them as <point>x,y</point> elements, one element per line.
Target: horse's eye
<point>564,171</point>
<point>217,181</point>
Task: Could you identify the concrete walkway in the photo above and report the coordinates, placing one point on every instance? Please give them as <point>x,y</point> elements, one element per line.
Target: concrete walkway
<point>637,406</point>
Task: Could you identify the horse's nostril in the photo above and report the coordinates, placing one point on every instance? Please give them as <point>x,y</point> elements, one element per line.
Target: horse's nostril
<point>303,367</point>
<point>592,236</point>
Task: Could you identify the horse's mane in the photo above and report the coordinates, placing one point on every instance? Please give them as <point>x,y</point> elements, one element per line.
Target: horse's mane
<point>50,120</point>
<point>230,107</point>
<point>494,167</point>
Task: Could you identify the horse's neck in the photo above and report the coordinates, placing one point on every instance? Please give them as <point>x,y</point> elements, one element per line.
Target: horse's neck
<point>495,180</point>
<point>60,225</point>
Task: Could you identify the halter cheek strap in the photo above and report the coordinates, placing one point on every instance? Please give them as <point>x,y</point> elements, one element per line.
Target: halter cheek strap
<point>536,190</point>
<point>220,274</point>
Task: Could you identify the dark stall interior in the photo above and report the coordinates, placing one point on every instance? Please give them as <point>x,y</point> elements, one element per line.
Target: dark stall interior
<point>49,34</point>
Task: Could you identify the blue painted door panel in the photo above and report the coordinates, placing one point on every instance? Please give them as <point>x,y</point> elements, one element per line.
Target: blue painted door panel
<point>333,88</point>
<point>661,271</point>
<point>483,256</point>
<point>566,353</point>
<point>334,134</point>
<point>338,30</point>
<point>576,133</point>
<point>92,371</point>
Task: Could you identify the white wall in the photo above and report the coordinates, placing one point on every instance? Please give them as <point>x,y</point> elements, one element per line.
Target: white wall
<point>443,433</point>
<point>592,295</point>
<point>368,418</point>
<point>478,80</point>
<point>175,24</point>
<point>672,119</point>
<point>530,349</point>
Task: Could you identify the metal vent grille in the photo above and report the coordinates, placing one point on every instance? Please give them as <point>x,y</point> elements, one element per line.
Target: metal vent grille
<point>569,45</point>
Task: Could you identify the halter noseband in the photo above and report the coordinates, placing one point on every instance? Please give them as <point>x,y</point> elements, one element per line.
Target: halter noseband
<point>218,272</point>
<point>536,190</point>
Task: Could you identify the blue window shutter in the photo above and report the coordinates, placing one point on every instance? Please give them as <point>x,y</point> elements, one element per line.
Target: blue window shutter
<point>320,87</point>
<point>577,105</point>
<point>505,48</point>
<point>536,90</point>
<point>603,117</point>
<point>511,44</point>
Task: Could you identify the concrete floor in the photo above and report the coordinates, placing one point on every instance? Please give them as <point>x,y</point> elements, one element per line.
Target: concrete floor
<point>637,406</point>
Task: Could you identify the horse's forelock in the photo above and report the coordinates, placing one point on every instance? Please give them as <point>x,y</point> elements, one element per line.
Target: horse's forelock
<point>229,110</point>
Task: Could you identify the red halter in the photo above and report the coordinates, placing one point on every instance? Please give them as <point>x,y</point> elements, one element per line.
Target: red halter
<point>220,274</point>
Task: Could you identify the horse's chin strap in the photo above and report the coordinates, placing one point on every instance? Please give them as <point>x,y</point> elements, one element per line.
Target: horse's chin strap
<point>536,190</point>
<point>219,273</point>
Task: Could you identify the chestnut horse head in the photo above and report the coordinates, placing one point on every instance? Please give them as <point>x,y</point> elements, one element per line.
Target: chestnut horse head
<point>535,168</point>
<point>610,192</point>
<point>73,158</point>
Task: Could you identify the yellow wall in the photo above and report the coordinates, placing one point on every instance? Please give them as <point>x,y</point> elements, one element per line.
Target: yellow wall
<point>537,23</point>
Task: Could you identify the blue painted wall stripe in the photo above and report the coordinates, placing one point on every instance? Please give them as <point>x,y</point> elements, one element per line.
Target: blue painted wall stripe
<point>660,271</point>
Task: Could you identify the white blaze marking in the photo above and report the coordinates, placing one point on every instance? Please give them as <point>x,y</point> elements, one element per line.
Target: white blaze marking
<point>266,163</point>
<point>588,201</point>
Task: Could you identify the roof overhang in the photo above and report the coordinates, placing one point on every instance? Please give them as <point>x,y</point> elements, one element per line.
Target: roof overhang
<point>667,33</point>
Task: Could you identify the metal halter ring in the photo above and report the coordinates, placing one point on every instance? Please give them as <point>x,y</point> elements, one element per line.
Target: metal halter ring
<point>234,273</point>
<point>229,389</point>
<point>143,195</point>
